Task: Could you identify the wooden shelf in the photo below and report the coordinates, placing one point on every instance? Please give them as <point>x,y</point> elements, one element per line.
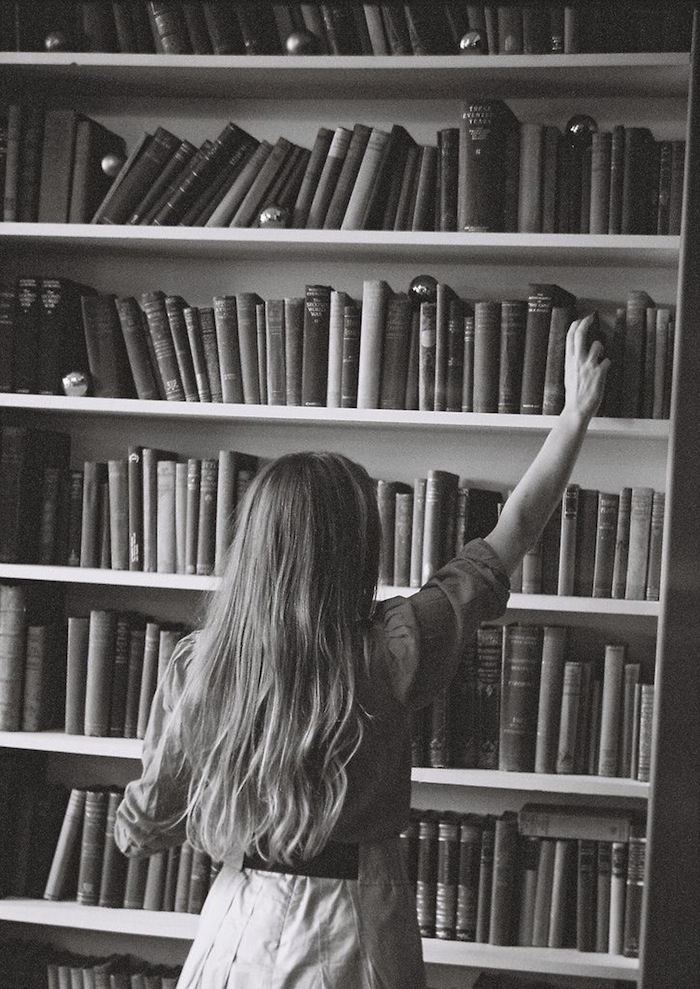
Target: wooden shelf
<point>101,76</point>
<point>493,779</point>
<point>130,749</point>
<point>192,582</point>
<point>252,244</point>
<point>179,926</point>
<point>619,429</point>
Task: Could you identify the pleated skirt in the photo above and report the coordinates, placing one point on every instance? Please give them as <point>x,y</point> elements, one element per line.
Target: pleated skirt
<point>267,930</point>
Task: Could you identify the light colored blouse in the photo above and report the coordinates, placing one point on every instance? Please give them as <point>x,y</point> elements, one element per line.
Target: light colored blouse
<point>415,646</point>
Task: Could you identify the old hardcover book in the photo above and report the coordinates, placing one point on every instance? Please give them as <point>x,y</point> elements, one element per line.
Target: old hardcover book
<point>108,361</point>
<point>656,529</point>
<point>92,846</point>
<point>586,531</point>
<point>100,663</point>
<point>118,486</point>
<point>520,690</point>
<point>375,295</point>
<point>488,681</point>
<point>62,879</point>
<point>312,175</point>
<point>384,197</point>
<point>94,474</point>
<point>13,625</point>
<point>328,178</point>
<point>134,331</point>
<point>606,536</point>
<point>248,345</point>
<point>505,861</point>
<point>634,892</point>
<point>513,316</point>
<point>567,550</point>
<point>210,350</point>
<point>619,581</point>
<point>611,711</point>
<point>485,895</point>
<point>554,649</point>
<point>482,170</point>
<point>639,535</point>
<point>541,300</point>
<point>137,644</point>
<point>572,686</point>
<point>57,165</point>
<point>293,347</point>
<point>575,822</point>
<point>193,326</point>
<point>76,674</point>
<point>128,189</point>
<point>314,377</point>
<point>206,534</point>
<point>149,676</point>
<point>394,369</point>
<point>553,387</point>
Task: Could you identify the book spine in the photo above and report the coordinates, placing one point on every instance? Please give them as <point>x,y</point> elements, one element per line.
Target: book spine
<point>504,867</point>
<point>206,534</point>
<point>426,882</point>
<point>375,294</point>
<point>520,687</point>
<point>611,710</point>
<point>62,876</point>
<point>92,847</point>
<point>639,533</point>
<point>113,870</point>
<point>569,716</point>
<point>446,878</point>
<point>513,314</point>
<point>210,350</point>
<point>487,334</point>
<point>100,660</point>
<point>316,332</point>
<point>567,552</point>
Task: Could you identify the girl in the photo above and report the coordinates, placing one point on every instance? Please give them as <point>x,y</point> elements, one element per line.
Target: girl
<point>279,736</point>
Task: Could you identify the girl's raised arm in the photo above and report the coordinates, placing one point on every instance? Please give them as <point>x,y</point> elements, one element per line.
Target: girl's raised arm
<point>538,492</point>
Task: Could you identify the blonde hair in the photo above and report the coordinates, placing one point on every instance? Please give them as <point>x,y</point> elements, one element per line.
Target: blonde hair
<point>268,718</point>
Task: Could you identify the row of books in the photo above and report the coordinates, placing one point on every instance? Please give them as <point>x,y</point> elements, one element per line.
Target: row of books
<point>423,348</point>
<point>525,699</point>
<point>596,544</point>
<point>149,511</point>
<point>154,511</point>
<point>88,867</point>
<point>344,29</point>
<point>88,675</point>
<point>489,172</point>
<point>541,877</point>
<point>35,965</point>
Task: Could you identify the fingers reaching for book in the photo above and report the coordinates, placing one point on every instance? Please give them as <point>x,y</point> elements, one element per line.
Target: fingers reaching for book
<point>586,368</point>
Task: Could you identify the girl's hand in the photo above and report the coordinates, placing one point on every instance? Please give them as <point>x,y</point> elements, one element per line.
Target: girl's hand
<point>585,370</point>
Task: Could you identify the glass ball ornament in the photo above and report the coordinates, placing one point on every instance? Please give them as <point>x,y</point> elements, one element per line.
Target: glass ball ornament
<point>302,42</point>
<point>274,216</point>
<point>57,41</point>
<point>472,43</point>
<point>579,130</point>
<point>76,383</point>
<point>111,165</point>
<point>423,288</point>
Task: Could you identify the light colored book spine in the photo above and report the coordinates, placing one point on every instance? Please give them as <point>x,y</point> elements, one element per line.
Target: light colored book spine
<point>608,753</point>
<point>375,293</point>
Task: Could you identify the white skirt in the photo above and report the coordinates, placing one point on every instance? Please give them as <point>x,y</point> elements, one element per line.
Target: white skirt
<point>267,930</point>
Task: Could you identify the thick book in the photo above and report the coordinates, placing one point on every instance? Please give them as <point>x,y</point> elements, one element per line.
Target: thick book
<point>365,180</point>
<point>505,863</point>
<point>484,129</point>
<point>586,532</point>
<point>174,308</point>
<point>611,711</point>
<point>60,341</point>
<point>487,342</point>
<point>316,331</point>
<point>347,176</point>
<point>541,300</point>
<point>13,625</point>
<point>158,325</point>
<point>76,673</point>
<point>57,165</point>
<point>520,690</point>
<point>567,545</point>
<point>488,690</point>
<point>92,846</point>
<point>100,661</point>
<point>62,879</point>
<point>426,879</point>
<point>108,361</point>
<point>134,331</point>
<point>580,823</point>
<point>553,387</point>
<point>394,369</point>
<point>513,317</point>
<point>485,895</point>
<point>639,536</point>
<point>226,323</point>
<point>328,178</point>
<point>606,535</point>
<point>246,303</point>
<point>447,876</point>
<point>554,649</point>
<point>375,295</point>
<point>570,714</point>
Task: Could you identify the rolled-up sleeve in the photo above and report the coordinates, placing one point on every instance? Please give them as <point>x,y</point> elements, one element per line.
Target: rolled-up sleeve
<point>152,815</point>
<point>426,632</point>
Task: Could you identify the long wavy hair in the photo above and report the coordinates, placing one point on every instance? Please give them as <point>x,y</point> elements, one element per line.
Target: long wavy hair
<point>269,716</point>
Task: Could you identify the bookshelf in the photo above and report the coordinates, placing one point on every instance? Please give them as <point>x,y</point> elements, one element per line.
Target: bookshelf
<point>130,92</point>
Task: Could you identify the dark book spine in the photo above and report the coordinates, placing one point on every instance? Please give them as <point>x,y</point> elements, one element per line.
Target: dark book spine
<point>512,348</point>
<point>207,325</point>
<point>293,347</point>
<point>134,331</point>
<point>315,346</point>
<point>100,664</point>
<point>520,688</point>
<point>206,535</point>
<point>487,334</point>
<point>92,847</point>
<point>505,865</point>
<point>426,881</point>
<point>113,870</point>
<point>447,878</point>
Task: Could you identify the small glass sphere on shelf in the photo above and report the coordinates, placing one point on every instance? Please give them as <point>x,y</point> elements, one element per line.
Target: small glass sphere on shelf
<point>57,41</point>
<point>472,43</point>
<point>303,42</point>
<point>423,288</point>
<point>274,216</point>
<point>579,130</point>
<point>111,164</point>
<point>76,383</point>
